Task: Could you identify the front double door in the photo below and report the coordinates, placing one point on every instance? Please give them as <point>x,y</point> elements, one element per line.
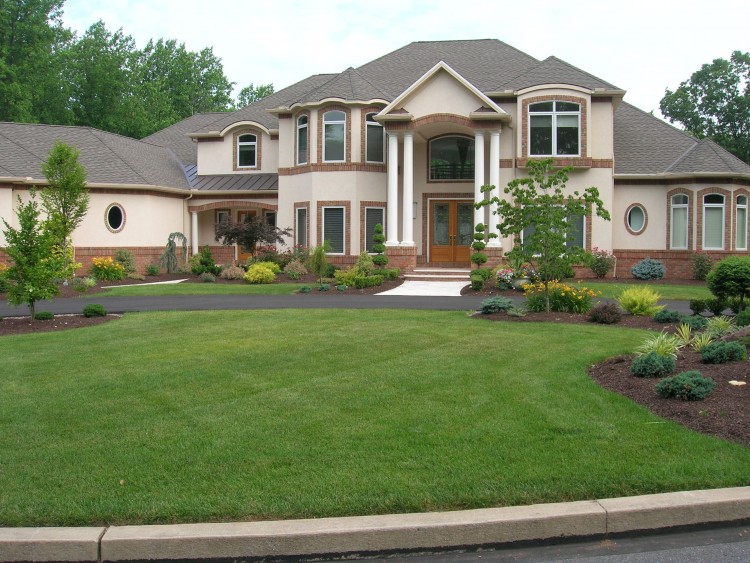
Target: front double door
<point>451,231</point>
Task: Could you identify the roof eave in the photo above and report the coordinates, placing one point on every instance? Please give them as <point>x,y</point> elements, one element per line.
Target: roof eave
<point>393,117</point>
<point>489,116</point>
<point>681,175</point>
<point>29,181</point>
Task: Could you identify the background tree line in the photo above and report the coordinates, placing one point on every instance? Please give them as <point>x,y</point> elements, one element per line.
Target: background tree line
<point>101,79</point>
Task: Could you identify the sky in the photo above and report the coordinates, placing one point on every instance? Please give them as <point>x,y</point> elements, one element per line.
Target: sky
<point>640,46</point>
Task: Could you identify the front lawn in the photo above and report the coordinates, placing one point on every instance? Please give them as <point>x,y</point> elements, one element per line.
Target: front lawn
<point>682,292</point>
<point>188,288</point>
<point>238,415</point>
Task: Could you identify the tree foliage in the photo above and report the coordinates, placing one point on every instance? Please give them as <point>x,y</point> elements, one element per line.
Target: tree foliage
<point>715,103</point>
<point>250,94</point>
<point>730,278</point>
<point>540,208</point>
<point>34,266</point>
<point>250,232</point>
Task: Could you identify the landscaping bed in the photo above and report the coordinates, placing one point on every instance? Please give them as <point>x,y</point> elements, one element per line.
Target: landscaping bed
<point>22,325</point>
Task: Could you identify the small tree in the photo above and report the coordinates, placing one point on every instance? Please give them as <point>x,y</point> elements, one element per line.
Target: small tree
<point>540,210</point>
<point>34,269</point>
<point>730,278</point>
<point>319,261</point>
<point>250,232</point>
<point>168,259</point>
<point>66,200</point>
<point>380,259</point>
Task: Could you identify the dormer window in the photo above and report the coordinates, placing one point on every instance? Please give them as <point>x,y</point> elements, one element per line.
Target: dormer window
<point>554,129</point>
<point>247,146</point>
<point>374,140</point>
<point>334,136</point>
<point>302,139</point>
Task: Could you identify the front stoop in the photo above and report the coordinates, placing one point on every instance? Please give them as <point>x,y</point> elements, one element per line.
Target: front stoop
<point>439,274</point>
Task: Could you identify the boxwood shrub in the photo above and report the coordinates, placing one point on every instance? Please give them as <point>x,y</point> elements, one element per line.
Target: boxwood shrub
<point>94,310</point>
<point>667,316</point>
<point>495,304</point>
<point>688,386</point>
<point>722,352</point>
<point>652,365</point>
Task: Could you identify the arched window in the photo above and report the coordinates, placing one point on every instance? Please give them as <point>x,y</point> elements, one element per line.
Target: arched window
<point>302,139</point>
<point>741,235</point>
<point>713,222</point>
<point>374,140</point>
<point>452,158</point>
<point>334,136</point>
<point>678,236</point>
<point>247,151</point>
<point>554,129</point>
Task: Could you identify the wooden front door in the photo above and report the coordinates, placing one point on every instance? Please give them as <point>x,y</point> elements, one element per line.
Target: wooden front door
<point>244,253</point>
<point>451,231</point>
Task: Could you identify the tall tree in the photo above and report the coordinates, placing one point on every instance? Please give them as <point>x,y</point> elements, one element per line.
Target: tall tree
<point>252,93</point>
<point>66,200</point>
<point>715,103</point>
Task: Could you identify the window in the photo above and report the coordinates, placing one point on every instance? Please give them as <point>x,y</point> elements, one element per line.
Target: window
<point>302,139</point>
<point>114,218</point>
<point>678,235</point>
<point>554,129</point>
<point>373,216</point>
<point>246,151</point>
<point>270,218</point>
<point>333,229</point>
<point>713,222</point>
<point>636,219</point>
<point>222,216</point>
<point>334,136</point>
<point>741,235</point>
<point>452,158</point>
<point>374,140</point>
<point>576,232</point>
<point>300,230</point>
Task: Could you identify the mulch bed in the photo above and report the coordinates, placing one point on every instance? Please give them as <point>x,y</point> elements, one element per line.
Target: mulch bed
<point>22,325</point>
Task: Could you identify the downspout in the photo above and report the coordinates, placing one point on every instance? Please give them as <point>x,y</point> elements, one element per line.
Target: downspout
<point>189,197</point>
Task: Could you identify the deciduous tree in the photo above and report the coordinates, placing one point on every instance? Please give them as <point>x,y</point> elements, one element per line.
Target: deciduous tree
<point>252,93</point>
<point>250,232</point>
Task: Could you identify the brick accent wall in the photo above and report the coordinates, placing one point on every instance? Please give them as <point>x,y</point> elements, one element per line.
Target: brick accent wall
<point>258,148</point>
<point>402,257</point>
<point>332,167</point>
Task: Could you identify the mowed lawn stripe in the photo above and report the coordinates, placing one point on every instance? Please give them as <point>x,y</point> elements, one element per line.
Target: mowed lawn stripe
<point>206,416</point>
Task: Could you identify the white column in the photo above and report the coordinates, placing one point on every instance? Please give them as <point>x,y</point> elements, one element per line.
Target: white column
<point>194,231</point>
<point>407,231</point>
<point>478,175</point>
<point>495,181</point>
<point>392,203</point>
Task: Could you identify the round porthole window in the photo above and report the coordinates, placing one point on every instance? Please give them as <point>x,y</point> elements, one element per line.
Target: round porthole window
<point>115,217</point>
<point>636,219</point>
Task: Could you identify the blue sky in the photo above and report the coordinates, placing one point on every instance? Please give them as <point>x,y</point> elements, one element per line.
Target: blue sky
<point>640,46</point>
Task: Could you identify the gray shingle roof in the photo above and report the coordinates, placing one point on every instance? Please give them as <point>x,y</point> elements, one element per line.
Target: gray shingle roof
<point>554,71</point>
<point>175,136</point>
<point>237,182</point>
<point>349,85</point>
<point>707,156</point>
<point>108,158</point>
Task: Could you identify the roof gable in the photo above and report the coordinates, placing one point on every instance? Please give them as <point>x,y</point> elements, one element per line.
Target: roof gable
<point>554,71</point>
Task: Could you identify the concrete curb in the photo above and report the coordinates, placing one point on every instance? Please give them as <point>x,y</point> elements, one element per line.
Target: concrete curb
<point>368,534</point>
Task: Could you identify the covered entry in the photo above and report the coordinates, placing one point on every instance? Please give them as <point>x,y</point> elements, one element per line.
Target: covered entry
<point>451,230</point>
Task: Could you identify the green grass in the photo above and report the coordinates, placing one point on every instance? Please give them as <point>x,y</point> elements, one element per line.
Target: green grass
<point>237,415</point>
<point>611,290</point>
<point>187,288</point>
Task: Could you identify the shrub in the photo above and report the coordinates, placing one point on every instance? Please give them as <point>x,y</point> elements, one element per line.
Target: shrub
<point>505,277</point>
<point>273,266</point>
<point>601,262</point>
<point>364,264</point>
<point>207,277</point>
<point>270,254</point>
<point>104,268</point>
<point>390,273</point>
<point>685,333</point>
<point>342,287</point>
<point>44,316</point>
<point>720,326</point>
<point>640,301</point>
<point>295,270</point>
<point>701,266</point>
<point>716,306</point>
<point>305,289</point>
<point>330,270</point>
<point>94,310</point>
<point>204,262</point>
<point>648,269</point>
<point>517,311</point>
<point>484,273</point>
<point>688,386</point>
<point>722,352</point>
<point>126,259</point>
<point>736,305</point>
<point>606,314</point>
<point>695,322</point>
<point>82,284</point>
<point>743,318</point>
<point>652,365</point>
<point>479,258</point>
<point>562,297</point>
<point>700,341</point>
<point>232,273</point>
<point>136,276</point>
<point>697,306</point>
<point>380,260</point>
<point>324,287</point>
<point>477,282</point>
<point>260,273</point>
<point>495,304</point>
<point>730,278</point>
<point>378,239</point>
<point>152,270</point>
<point>663,344</point>
<point>667,316</point>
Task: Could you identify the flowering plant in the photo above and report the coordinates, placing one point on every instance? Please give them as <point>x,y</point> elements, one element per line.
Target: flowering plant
<point>601,262</point>
<point>105,268</point>
<point>505,277</point>
<point>562,297</point>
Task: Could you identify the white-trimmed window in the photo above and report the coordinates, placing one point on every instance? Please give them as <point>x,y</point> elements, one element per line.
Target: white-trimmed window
<point>302,139</point>
<point>554,129</point>
<point>247,146</point>
<point>300,227</point>
<point>222,216</point>
<point>452,158</point>
<point>114,217</point>
<point>576,236</point>
<point>334,223</point>
<point>678,236</point>
<point>373,216</point>
<point>740,242</point>
<point>636,219</point>
<point>270,217</point>
<point>713,222</point>
<point>334,136</point>
<point>374,140</point>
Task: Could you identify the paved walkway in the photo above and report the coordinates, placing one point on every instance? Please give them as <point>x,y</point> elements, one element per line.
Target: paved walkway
<point>428,288</point>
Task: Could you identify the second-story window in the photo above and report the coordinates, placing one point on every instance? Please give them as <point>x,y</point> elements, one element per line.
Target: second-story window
<point>374,140</point>
<point>247,146</point>
<point>554,129</point>
<point>452,158</point>
<point>302,139</point>
<point>334,136</point>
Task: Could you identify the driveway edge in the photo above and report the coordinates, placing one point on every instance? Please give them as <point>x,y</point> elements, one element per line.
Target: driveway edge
<point>368,534</point>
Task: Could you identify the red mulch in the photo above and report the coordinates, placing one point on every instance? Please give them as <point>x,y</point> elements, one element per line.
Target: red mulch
<point>22,325</point>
